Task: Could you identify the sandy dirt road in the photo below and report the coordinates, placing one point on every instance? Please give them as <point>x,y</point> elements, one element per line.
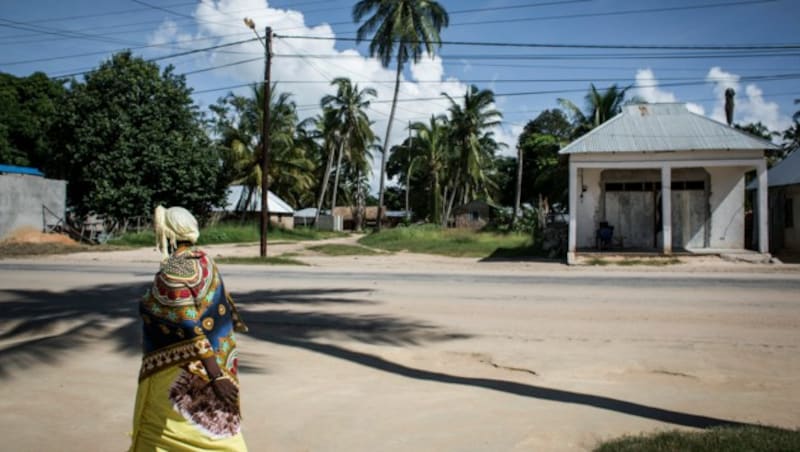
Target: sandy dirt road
<point>416,353</point>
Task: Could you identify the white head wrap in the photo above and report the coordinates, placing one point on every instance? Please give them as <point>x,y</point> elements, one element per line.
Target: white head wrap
<point>175,224</point>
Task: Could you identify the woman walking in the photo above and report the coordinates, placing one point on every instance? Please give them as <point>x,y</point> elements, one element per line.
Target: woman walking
<point>188,395</point>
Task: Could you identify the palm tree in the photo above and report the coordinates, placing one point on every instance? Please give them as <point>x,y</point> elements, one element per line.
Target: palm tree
<point>356,135</point>
<point>474,145</point>
<point>413,27</point>
<point>600,107</point>
<point>239,122</point>
<point>327,129</point>
<point>430,146</point>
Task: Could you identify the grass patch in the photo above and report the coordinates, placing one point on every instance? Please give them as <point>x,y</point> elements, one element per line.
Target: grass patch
<point>334,249</point>
<point>231,233</point>
<point>257,260</point>
<point>597,261</point>
<point>720,439</point>
<point>431,239</point>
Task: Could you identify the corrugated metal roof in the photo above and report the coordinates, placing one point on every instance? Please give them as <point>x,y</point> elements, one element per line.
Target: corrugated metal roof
<point>663,127</point>
<point>786,172</point>
<point>274,203</point>
<point>11,169</point>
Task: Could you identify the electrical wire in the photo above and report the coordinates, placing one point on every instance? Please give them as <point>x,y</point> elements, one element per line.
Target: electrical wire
<point>794,46</point>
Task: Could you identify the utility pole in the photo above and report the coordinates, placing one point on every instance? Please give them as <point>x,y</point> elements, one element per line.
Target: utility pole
<point>518,191</point>
<point>265,137</point>
<point>408,174</point>
<point>265,132</point>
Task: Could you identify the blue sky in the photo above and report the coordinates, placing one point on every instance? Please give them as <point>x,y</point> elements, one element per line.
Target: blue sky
<point>67,36</point>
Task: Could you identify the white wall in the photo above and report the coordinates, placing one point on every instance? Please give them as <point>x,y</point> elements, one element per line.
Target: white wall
<point>727,207</point>
<point>589,214</point>
<point>22,197</point>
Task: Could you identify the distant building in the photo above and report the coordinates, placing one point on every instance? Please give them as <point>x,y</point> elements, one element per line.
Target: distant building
<point>473,215</point>
<point>784,204</point>
<point>28,199</point>
<point>236,201</point>
<point>663,178</point>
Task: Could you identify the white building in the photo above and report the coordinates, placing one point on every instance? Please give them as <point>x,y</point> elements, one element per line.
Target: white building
<point>237,200</point>
<point>664,178</point>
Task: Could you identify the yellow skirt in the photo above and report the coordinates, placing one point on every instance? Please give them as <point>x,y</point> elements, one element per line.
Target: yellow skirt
<point>158,426</point>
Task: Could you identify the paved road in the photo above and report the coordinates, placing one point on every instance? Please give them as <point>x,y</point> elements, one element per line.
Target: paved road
<point>417,360</point>
<point>580,277</point>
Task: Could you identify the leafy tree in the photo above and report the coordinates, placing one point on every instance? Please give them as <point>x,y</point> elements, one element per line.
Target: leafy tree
<point>421,162</point>
<point>28,107</point>
<point>600,107</point>
<point>327,130</point>
<point>758,129</point>
<point>129,138</point>
<point>239,121</point>
<point>544,172</point>
<point>473,146</point>
<point>403,30</point>
<point>791,135</point>
<point>354,127</point>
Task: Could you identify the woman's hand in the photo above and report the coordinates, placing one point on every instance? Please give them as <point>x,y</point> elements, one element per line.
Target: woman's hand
<point>226,390</point>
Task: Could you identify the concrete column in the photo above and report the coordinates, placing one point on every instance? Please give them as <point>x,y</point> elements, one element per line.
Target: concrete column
<point>763,205</point>
<point>573,212</point>
<point>666,208</point>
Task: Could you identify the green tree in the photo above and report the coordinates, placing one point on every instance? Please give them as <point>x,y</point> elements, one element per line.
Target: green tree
<point>421,162</point>
<point>28,107</point>
<point>600,107</point>
<point>328,132</point>
<point>129,138</point>
<point>403,30</point>
<point>473,147</point>
<point>791,135</point>
<point>239,121</point>
<point>544,172</point>
<point>354,127</point>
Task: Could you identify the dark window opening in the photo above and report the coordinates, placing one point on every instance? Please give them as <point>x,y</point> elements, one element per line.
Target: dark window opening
<point>788,214</point>
<point>689,185</point>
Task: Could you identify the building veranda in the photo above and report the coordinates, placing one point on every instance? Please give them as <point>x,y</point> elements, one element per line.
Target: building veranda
<point>658,178</point>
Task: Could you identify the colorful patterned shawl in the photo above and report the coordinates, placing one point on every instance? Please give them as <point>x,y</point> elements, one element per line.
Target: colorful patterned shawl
<point>187,315</point>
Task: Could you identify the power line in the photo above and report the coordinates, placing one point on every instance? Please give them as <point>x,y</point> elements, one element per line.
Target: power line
<point>180,18</point>
<point>110,13</point>
<point>103,52</point>
<point>7,23</point>
<point>766,78</point>
<point>567,57</point>
<point>174,55</point>
<point>615,13</point>
<point>580,46</point>
<point>525,5</point>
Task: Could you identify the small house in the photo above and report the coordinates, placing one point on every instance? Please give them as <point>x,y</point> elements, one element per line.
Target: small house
<point>473,215</point>
<point>784,205</point>
<point>28,199</point>
<point>242,200</point>
<point>658,177</point>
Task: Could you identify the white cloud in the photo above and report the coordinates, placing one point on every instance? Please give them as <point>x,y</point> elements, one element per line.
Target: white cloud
<point>222,18</point>
<point>749,104</point>
<point>167,33</point>
<point>647,88</point>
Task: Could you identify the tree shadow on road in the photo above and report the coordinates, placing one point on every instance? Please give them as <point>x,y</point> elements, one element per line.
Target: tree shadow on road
<point>41,327</point>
